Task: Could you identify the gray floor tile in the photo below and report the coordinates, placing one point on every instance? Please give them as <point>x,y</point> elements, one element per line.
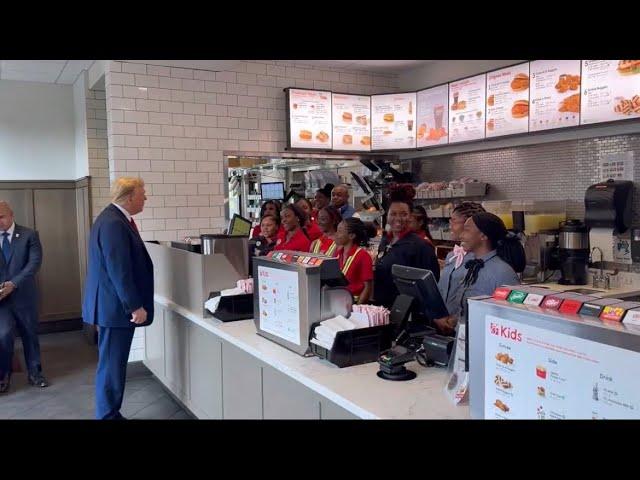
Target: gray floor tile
<point>161,409</point>
<point>69,363</point>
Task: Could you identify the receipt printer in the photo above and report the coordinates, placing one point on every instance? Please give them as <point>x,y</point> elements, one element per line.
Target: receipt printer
<point>608,205</point>
<point>437,349</point>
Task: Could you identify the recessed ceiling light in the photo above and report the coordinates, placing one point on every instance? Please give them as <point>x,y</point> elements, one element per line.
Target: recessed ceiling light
<point>142,89</point>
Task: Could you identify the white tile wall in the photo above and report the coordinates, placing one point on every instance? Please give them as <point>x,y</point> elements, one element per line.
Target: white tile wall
<point>173,134</point>
<point>97,143</point>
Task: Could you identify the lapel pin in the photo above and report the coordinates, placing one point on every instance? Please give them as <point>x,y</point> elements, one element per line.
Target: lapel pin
<point>17,235</point>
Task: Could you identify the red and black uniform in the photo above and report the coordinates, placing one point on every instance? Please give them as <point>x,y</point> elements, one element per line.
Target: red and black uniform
<point>324,245</point>
<point>299,242</point>
<point>423,235</point>
<point>357,268</point>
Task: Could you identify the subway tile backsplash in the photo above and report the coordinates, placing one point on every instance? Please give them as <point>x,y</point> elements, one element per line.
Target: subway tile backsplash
<point>552,171</point>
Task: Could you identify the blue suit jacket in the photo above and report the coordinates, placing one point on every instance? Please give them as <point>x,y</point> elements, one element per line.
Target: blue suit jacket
<point>24,262</point>
<point>120,273</point>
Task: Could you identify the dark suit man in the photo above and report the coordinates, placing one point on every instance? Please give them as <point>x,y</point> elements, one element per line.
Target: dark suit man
<point>20,260</point>
<point>118,293</point>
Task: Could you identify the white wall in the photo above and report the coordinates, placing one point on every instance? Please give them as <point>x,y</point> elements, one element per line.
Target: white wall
<point>37,140</point>
<point>80,121</point>
<point>443,71</point>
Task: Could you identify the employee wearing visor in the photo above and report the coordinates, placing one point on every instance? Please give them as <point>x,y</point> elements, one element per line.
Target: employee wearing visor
<point>400,246</point>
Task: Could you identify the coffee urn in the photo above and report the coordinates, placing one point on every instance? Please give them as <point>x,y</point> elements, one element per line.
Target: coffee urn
<point>573,243</point>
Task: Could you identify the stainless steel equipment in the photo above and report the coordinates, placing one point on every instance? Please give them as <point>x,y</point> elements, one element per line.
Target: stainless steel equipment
<point>541,250</point>
<point>294,290</point>
<point>235,248</point>
<point>573,252</point>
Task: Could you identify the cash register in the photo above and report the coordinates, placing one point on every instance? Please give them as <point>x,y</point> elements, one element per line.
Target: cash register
<point>413,312</point>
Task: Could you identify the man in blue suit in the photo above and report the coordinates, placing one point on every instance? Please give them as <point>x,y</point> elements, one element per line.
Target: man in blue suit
<point>20,260</point>
<point>118,293</point>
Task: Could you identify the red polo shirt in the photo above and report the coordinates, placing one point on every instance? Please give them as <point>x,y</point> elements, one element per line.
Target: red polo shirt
<point>360,270</point>
<point>298,242</point>
<point>313,230</point>
<point>322,245</point>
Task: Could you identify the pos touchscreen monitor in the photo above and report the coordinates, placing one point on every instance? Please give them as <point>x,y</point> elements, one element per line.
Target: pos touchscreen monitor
<point>422,287</point>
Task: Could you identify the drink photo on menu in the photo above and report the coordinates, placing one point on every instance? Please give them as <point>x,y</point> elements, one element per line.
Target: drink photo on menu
<point>432,117</point>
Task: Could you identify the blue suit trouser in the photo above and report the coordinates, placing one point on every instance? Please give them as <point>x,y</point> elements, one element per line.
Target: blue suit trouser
<point>26,321</point>
<point>114,345</point>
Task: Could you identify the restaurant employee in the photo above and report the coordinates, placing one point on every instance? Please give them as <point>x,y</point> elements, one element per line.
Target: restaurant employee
<point>498,255</point>
<point>311,227</point>
<point>293,237</point>
<point>451,276</point>
<point>328,220</point>
<point>354,260</point>
<point>400,246</point>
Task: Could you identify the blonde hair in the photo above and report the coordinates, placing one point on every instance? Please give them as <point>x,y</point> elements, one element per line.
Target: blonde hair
<point>123,187</point>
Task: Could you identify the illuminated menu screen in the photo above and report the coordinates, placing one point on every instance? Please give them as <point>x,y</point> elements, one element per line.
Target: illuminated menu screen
<point>433,117</point>
<point>610,90</point>
<point>393,119</point>
<point>467,109</point>
<point>508,101</point>
<point>351,122</point>
<point>310,119</point>
<point>555,94</point>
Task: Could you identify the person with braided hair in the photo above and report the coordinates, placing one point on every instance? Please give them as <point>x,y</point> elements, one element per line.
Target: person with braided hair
<point>453,272</point>
<point>400,246</point>
<point>498,255</point>
<point>355,263</point>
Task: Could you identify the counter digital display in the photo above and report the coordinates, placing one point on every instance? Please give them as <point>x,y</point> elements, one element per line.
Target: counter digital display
<point>393,119</point>
<point>555,94</point>
<point>508,101</point>
<point>433,116</point>
<point>351,122</point>
<point>610,90</point>
<point>309,117</point>
<point>467,109</point>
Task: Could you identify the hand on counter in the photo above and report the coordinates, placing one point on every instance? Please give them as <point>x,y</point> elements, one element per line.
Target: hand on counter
<point>6,288</point>
<point>139,316</point>
<point>446,325</point>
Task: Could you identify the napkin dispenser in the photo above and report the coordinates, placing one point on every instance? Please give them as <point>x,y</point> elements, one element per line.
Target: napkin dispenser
<point>609,205</point>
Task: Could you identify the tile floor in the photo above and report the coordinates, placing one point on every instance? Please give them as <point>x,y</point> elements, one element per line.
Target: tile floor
<point>69,363</point>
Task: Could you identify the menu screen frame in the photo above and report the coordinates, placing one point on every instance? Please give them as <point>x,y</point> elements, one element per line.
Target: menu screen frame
<point>328,148</point>
<point>486,99</point>
<point>415,140</point>
<point>555,129</point>
<point>334,149</point>
<point>428,147</point>
<point>484,116</point>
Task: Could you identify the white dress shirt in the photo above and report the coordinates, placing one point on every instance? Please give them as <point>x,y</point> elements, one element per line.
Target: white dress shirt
<point>10,231</point>
<point>126,214</point>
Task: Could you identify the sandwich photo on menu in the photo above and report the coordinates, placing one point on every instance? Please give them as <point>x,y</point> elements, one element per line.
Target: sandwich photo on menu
<point>322,136</point>
<point>520,109</point>
<point>305,135</point>
<point>347,117</point>
<point>388,117</point>
<point>628,67</point>
<point>347,139</point>
<point>520,82</point>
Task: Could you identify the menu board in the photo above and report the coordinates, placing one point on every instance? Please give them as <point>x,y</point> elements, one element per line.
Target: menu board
<point>555,94</point>
<point>279,304</point>
<point>433,116</point>
<point>508,101</point>
<point>393,118</point>
<point>610,90</point>
<point>467,109</point>
<point>309,119</point>
<point>351,122</point>
<point>532,373</point>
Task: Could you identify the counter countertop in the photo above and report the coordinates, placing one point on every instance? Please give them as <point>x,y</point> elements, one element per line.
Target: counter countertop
<point>624,291</point>
<point>356,389</point>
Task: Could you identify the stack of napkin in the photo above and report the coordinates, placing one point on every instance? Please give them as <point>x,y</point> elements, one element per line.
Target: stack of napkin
<point>325,333</point>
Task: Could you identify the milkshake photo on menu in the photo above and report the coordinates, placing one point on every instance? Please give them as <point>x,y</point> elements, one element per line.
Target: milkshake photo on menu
<point>432,117</point>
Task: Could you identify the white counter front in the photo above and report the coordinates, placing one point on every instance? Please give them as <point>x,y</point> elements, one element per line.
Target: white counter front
<point>249,365</point>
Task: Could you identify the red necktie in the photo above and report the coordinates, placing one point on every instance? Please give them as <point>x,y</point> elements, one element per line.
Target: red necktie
<point>134,226</point>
